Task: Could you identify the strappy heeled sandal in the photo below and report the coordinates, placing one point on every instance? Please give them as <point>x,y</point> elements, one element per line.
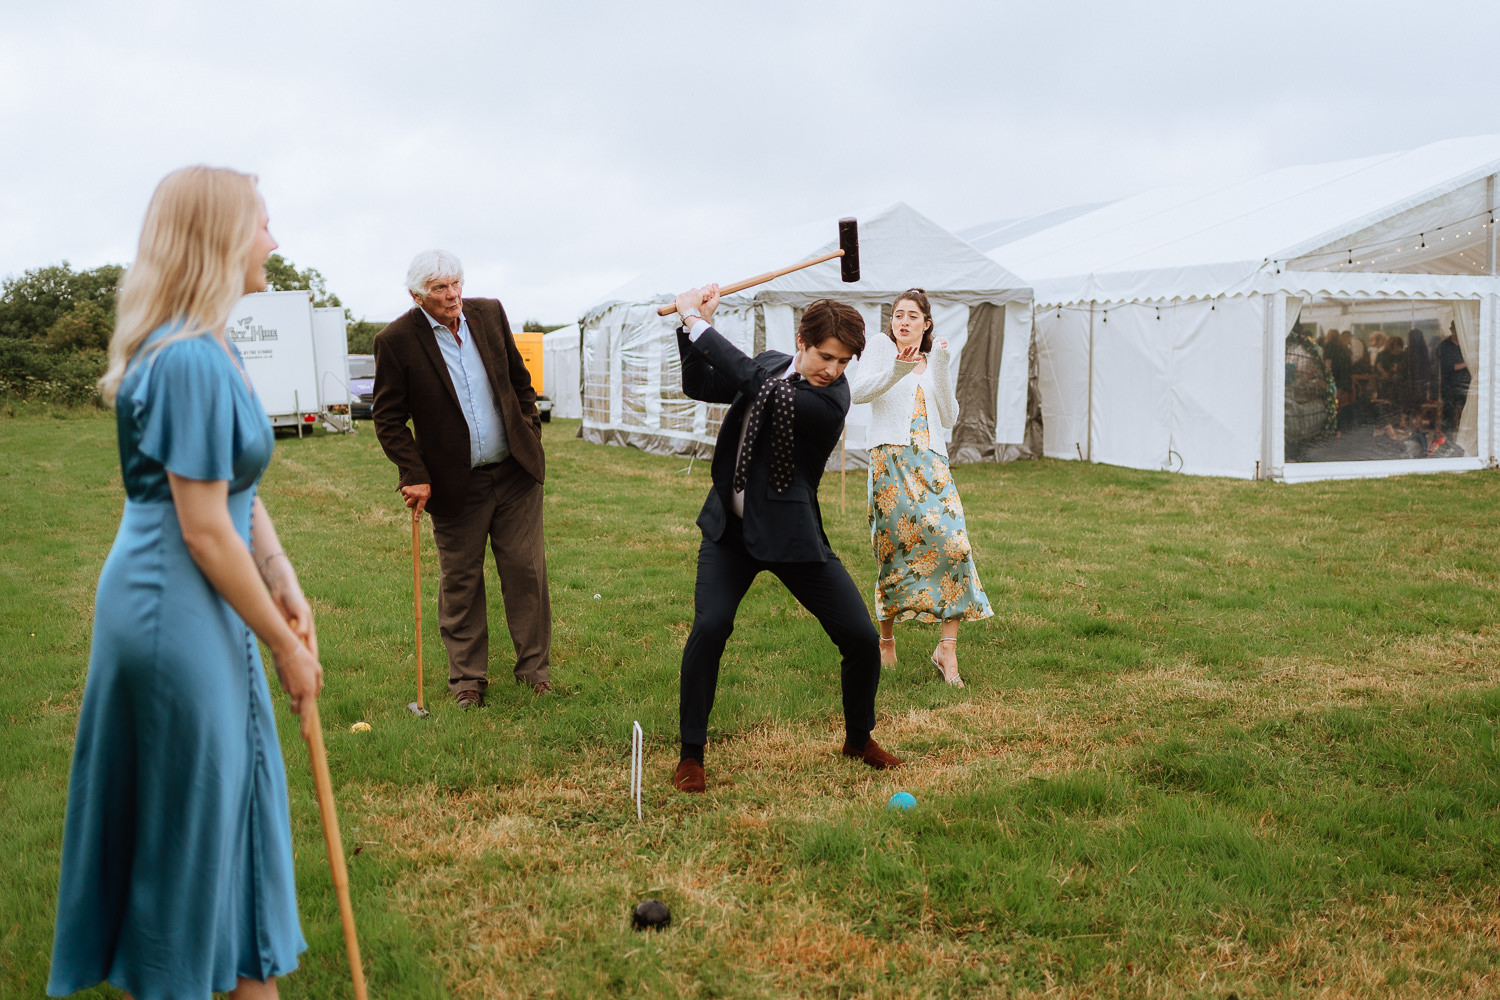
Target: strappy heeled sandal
<point>955,680</point>
<point>884,645</point>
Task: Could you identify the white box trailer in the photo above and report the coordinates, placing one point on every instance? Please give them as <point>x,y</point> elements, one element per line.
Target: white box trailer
<point>331,352</point>
<point>296,357</point>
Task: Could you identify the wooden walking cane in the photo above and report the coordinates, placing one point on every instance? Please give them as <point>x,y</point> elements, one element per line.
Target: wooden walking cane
<point>331,837</point>
<point>415,707</point>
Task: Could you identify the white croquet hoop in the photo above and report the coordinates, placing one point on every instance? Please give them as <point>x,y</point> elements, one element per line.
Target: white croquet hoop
<point>637,760</point>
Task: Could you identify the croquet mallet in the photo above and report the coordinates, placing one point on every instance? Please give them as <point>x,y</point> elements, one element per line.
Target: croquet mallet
<point>331,837</point>
<point>848,252</point>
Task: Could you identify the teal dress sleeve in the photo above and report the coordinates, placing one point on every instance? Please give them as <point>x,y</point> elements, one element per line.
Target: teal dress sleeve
<point>185,411</point>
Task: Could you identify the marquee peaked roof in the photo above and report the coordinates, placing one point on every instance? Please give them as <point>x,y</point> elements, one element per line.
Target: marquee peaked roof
<point>899,248</point>
<point>1425,210</point>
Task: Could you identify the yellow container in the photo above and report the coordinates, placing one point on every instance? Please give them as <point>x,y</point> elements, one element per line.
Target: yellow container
<point>530,345</point>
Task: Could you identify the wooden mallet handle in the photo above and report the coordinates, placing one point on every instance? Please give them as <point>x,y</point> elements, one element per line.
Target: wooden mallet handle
<point>759,279</point>
<point>334,841</point>
<point>416,590</point>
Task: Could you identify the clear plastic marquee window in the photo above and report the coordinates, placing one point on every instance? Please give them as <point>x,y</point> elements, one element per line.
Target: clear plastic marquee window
<point>1381,380</point>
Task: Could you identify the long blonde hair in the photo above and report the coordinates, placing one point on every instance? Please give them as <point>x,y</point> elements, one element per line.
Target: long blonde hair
<point>190,266</point>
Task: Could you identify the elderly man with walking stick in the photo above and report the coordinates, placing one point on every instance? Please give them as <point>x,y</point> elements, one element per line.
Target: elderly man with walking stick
<point>472,458</point>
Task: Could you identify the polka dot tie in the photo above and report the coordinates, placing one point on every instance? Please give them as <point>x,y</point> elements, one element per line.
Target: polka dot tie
<point>773,408</point>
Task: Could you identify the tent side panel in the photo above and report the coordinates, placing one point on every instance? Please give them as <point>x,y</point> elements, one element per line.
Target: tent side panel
<point>1216,385</point>
<point>679,414</point>
<point>1130,420</point>
<point>1010,406</point>
<point>636,343</point>
<point>562,372</point>
<point>1062,337</point>
<point>978,385</point>
<point>781,331</point>
<point>596,371</point>
<point>656,444</point>
<point>950,322</point>
<point>1031,441</point>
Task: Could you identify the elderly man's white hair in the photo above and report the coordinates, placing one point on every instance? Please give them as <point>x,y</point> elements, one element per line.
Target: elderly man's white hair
<point>430,264</point>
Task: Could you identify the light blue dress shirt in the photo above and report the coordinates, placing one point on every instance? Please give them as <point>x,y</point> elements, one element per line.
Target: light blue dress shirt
<point>487,441</point>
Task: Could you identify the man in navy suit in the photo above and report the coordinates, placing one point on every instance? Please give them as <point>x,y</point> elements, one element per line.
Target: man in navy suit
<point>786,415</point>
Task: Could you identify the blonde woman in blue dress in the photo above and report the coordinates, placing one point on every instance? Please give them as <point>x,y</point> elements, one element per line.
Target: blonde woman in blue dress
<point>177,877</point>
<point>926,568</point>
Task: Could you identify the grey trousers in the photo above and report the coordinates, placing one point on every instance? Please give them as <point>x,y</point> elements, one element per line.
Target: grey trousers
<point>504,506</point>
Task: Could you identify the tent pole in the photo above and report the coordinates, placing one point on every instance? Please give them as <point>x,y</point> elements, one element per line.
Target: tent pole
<point>1088,429</point>
<point>1273,423</point>
<point>1490,184</point>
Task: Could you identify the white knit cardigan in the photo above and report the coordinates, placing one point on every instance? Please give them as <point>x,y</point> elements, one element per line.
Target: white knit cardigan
<point>890,387</point>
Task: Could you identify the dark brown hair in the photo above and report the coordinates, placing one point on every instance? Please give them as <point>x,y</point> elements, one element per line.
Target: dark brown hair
<point>826,318</point>
<point>919,296</point>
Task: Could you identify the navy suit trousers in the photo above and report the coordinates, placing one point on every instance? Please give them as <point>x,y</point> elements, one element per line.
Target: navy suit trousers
<point>725,572</point>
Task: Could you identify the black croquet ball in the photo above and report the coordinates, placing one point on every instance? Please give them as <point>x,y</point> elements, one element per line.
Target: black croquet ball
<point>651,914</point>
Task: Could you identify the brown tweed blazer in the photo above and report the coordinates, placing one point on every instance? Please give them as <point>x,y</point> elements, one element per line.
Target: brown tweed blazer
<point>412,383</point>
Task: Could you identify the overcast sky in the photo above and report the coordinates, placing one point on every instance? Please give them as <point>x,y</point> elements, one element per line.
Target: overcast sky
<point>559,148</point>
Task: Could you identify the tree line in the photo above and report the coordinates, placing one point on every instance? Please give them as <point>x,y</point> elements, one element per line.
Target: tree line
<point>64,308</point>
<point>55,325</point>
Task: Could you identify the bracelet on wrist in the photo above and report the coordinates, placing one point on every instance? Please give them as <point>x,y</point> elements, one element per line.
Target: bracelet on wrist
<point>261,565</point>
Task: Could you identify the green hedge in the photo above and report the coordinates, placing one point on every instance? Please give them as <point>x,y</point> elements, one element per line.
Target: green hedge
<point>36,372</point>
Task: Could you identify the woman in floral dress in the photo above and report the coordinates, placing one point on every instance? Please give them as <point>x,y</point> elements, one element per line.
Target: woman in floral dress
<point>926,568</point>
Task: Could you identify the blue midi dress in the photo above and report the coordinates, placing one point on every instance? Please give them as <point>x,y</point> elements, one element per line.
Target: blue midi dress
<point>177,873</point>
<point>917,529</point>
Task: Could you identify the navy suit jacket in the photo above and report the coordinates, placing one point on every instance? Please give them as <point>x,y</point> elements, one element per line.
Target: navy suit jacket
<point>778,527</point>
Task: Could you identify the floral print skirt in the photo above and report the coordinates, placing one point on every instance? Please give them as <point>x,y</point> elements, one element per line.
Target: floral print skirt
<point>926,568</point>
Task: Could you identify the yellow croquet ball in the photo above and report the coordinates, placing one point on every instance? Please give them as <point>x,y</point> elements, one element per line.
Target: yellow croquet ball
<point>360,727</point>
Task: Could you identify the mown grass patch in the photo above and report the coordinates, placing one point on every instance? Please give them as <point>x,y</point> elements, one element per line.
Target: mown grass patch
<point>1220,737</point>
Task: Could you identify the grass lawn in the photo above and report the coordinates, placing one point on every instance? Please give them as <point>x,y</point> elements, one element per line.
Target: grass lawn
<point>1220,738</point>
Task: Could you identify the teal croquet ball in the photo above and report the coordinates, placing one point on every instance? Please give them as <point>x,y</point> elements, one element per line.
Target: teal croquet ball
<point>902,800</point>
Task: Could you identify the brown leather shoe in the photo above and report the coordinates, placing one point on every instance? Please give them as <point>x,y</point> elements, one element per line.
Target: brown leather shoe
<point>542,687</point>
<point>470,699</point>
<point>689,777</point>
<point>873,755</point>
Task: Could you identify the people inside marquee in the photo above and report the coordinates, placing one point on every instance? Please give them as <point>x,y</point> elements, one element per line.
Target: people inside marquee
<point>1311,407</point>
<point>1453,379</point>
<point>1395,397</point>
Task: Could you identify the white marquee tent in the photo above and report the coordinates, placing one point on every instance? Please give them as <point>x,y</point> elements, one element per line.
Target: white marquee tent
<point>562,371</point>
<point>632,391</point>
<point>1164,322</point>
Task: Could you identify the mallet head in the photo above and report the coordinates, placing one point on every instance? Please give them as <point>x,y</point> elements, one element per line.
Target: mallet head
<point>849,243</point>
<point>417,710</point>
